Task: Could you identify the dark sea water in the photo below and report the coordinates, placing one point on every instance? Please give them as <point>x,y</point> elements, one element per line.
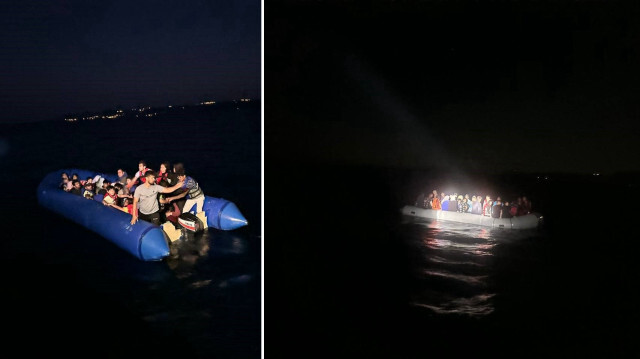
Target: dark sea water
<point>71,292</point>
<point>355,278</point>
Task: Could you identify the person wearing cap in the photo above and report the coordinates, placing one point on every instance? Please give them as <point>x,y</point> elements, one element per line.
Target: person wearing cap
<point>145,199</point>
<point>191,190</point>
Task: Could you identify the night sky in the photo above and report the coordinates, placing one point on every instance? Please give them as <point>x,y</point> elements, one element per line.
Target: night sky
<point>60,57</point>
<point>487,86</point>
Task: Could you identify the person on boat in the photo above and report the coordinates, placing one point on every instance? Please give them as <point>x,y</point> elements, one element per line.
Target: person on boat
<point>163,174</point>
<point>453,203</point>
<point>469,204</point>
<point>498,199</point>
<point>445,202</point>
<point>506,210</point>
<point>486,207</point>
<point>110,197</point>
<point>428,201</point>
<point>75,177</point>
<point>105,184</point>
<point>521,208</point>
<point>64,179</point>
<point>192,191</point>
<point>64,185</point>
<point>463,205</point>
<point>88,191</point>
<point>122,176</point>
<point>130,185</point>
<point>140,177</point>
<point>435,202</point>
<point>476,205</point>
<point>513,208</point>
<point>145,199</point>
<point>496,209</point>
<point>420,200</point>
<point>122,191</point>
<point>171,212</point>
<point>126,207</point>
<point>76,188</point>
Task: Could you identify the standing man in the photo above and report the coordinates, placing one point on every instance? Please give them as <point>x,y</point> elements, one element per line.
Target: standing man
<point>145,199</point>
<point>192,190</point>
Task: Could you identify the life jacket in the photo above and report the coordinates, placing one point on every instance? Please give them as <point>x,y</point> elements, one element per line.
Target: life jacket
<point>195,190</point>
<point>162,176</point>
<point>141,176</point>
<point>87,193</point>
<point>486,209</point>
<point>435,204</point>
<point>114,198</point>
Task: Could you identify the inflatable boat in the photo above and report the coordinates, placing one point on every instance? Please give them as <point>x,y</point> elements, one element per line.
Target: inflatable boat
<point>144,240</point>
<point>528,221</point>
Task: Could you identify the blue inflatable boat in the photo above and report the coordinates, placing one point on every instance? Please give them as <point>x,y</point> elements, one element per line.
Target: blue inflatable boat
<point>144,240</point>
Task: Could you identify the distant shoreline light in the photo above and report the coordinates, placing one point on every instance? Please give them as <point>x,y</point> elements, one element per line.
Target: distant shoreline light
<point>120,113</point>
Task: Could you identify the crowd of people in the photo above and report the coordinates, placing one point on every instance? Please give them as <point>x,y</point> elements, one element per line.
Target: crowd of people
<point>155,197</point>
<point>475,204</point>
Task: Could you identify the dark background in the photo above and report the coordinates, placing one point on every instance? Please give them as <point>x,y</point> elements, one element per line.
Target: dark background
<point>68,56</point>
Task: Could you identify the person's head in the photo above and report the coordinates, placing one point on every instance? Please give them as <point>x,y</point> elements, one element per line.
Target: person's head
<point>430,195</point>
<point>164,167</point>
<point>75,176</point>
<point>445,197</point>
<point>118,186</point>
<point>498,198</point>
<point>164,183</point>
<point>488,198</point>
<point>178,167</point>
<point>128,180</point>
<point>76,184</point>
<point>142,165</point>
<point>89,180</point>
<point>88,185</point>
<point>179,170</point>
<point>474,198</point>
<point>150,176</point>
<point>111,190</point>
<point>466,196</point>
<point>64,175</point>
<point>506,203</point>
<point>126,201</point>
<point>106,183</point>
<point>460,197</point>
<point>120,172</point>
<point>435,193</point>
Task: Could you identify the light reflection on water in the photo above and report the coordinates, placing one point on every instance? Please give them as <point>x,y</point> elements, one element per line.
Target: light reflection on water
<point>454,267</point>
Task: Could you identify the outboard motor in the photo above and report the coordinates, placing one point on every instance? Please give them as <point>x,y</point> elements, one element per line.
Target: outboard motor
<point>190,222</point>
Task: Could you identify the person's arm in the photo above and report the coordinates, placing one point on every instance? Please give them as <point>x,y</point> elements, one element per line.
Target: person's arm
<point>172,188</point>
<point>134,215</point>
<point>182,194</point>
